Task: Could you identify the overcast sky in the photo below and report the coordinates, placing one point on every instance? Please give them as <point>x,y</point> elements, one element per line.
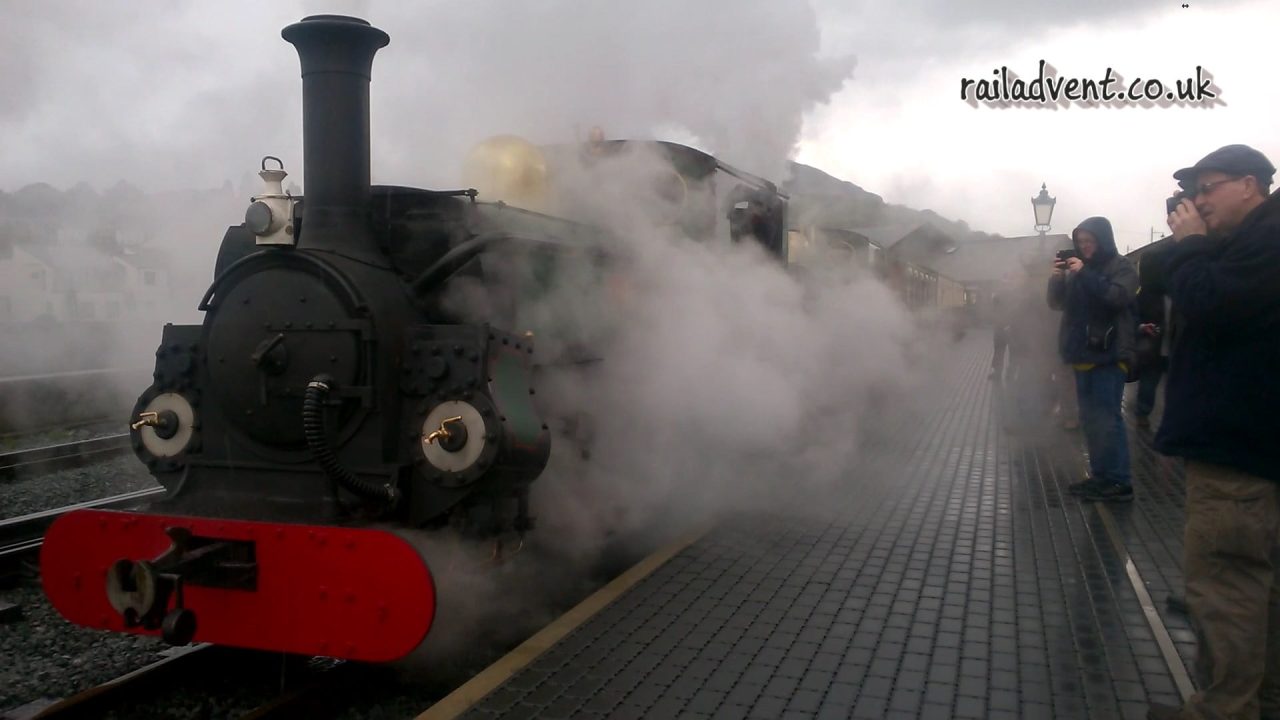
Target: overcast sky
<point>900,129</point>
<point>186,94</point>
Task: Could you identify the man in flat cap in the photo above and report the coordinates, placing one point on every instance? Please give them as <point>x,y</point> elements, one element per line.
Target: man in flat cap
<point>1221,405</point>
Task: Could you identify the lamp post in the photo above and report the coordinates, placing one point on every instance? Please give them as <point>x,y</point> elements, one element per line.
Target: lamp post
<point>1042,204</point>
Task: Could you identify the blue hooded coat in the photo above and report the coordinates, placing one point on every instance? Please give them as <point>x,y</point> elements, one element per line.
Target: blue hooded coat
<point>1097,303</point>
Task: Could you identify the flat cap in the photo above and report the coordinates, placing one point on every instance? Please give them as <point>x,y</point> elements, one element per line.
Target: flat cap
<point>1232,159</point>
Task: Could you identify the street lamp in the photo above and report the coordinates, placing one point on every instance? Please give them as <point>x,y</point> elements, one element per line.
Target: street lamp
<point>1043,206</point>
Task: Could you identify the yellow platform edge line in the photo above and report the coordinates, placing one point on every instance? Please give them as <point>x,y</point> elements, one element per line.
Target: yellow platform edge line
<point>461,700</point>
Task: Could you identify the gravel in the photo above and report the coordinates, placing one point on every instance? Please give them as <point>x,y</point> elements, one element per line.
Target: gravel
<point>44,656</point>
<point>115,476</point>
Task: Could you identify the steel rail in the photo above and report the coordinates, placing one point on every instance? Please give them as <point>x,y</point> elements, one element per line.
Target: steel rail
<point>97,701</point>
<point>76,453</point>
<point>24,534</point>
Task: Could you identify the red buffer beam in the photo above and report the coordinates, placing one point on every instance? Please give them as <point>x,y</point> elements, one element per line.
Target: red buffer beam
<point>357,594</point>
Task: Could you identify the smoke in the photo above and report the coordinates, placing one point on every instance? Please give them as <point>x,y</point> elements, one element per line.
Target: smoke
<point>223,89</point>
<point>688,381</point>
<point>724,381</point>
<point>727,379</point>
<point>737,77</point>
<point>710,378</point>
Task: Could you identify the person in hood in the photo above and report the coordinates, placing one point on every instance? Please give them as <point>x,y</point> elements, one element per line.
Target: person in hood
<point>1222,396</point>
<point>1095,292</point>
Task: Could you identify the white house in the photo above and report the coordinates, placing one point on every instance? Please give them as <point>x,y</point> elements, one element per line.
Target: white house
<point>26,284</point>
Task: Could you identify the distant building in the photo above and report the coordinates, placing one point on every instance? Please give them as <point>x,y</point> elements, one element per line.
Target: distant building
<point>880,250</point>
<point>26,285</point>
<point>981,264</point>
<point>926,265</point>
<point>60,283</point>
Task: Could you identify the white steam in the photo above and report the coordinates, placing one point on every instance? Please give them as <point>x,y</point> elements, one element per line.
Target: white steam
<point>726,381</point>
<point>738,77</point>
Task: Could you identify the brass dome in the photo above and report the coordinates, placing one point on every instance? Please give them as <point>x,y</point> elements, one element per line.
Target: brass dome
<point>510,169</point>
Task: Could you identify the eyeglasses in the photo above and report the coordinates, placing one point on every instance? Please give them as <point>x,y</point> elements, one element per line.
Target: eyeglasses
<point>1208,187</point>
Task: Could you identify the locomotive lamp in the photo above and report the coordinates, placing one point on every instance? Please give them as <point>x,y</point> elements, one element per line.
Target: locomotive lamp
<point>270,215</point>
<point>1042,204</point>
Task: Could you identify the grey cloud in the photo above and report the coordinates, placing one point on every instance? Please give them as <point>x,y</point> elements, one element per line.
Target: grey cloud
<point>903,35</point>
<point>190,96</point>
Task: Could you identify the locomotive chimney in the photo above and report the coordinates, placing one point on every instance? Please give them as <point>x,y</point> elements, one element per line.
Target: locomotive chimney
<point>336,53</point>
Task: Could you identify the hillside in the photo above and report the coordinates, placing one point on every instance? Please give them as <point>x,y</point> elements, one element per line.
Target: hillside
<point>818,198</point>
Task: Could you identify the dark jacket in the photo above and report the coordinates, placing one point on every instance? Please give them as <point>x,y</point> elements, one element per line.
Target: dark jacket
<point>1098,320</point>
<point>1152,305</point>
<point>1222,400</point>
<point>1153,285</point>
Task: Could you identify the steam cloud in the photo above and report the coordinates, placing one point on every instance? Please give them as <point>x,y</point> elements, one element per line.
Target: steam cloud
<point>738,77</point>
<point>728,382</point>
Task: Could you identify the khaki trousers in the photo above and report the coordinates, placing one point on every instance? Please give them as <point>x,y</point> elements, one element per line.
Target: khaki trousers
<point>1231,558</point>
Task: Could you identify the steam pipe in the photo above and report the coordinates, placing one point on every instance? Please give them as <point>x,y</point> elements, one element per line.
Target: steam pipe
<point>336,54</point>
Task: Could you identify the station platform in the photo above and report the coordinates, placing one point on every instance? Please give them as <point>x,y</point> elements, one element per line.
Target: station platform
<point>953,577</point>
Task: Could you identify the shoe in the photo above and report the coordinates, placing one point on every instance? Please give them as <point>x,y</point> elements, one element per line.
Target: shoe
<point>1109,492</point>
<point>1084,487</point>
<point>1163,712</point>
<point>1142,421</point>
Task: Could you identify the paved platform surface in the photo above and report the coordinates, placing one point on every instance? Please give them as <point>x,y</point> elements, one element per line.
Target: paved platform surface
<point>953,578</point>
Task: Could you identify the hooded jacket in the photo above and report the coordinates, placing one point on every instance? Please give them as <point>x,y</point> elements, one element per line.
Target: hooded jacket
<point>1097,303</point>
<point>1223,394</point>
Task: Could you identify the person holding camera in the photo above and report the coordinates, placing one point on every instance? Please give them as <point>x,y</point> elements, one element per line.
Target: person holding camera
<point>1222,396</point>
<point>1094,287</point>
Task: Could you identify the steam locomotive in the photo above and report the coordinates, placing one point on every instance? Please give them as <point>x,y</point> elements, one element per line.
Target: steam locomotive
<point>334,391</point>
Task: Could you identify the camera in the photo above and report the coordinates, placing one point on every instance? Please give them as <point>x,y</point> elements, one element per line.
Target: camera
<point>1065,255</point>
<point>1171,203</point>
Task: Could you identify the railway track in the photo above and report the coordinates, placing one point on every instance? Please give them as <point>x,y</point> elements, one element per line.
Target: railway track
<point>21,537</point>
<point>29,461</point>
<point>293,686</point>
<point>33,403</point>
<point>133,687</point>
<point>10,439</point>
